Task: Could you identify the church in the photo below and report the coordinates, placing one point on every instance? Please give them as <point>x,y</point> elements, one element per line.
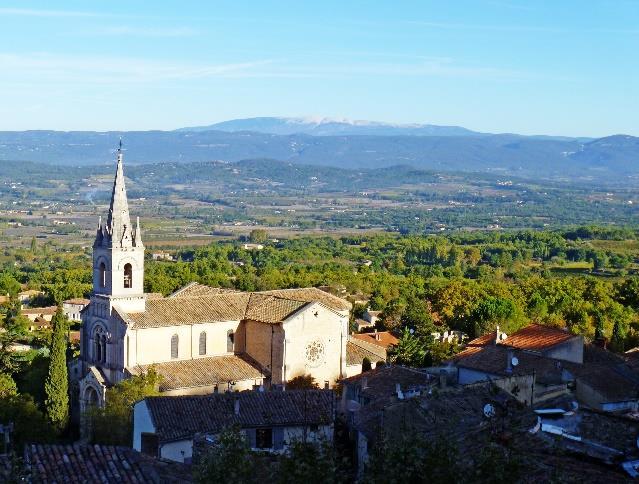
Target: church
<point>200,339</point>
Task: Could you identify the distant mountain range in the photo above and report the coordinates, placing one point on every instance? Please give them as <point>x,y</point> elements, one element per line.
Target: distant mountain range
<point>331,127</point>
<point>614,158</point>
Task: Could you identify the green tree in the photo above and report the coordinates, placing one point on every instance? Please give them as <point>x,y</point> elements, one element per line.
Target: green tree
<point>258,236</point>
<point>410,350</point>
<point>30,424</point>
<point>302,382</point>
<point>113,424</point>
<point>311,463</point>
<point>7,386</point>
<point>231,460</point>
<point>495,311</point>
<point>56,385</point>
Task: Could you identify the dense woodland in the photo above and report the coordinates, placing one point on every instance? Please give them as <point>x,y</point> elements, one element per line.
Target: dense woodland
<point>585,279</point>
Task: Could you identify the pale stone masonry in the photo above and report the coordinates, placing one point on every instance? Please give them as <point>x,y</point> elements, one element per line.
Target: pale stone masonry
<point>200,339</point>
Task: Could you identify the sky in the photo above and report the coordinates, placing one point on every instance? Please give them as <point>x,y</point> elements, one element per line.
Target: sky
<point>557,67</point>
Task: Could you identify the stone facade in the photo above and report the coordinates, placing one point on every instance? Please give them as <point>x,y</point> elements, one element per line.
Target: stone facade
<point>243,340</point>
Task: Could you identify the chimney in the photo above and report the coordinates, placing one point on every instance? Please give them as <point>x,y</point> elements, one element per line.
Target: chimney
<point>377,336</point>
<point>364,383</point>
<point>442,378</point>
<point>497,333</point>
<point>398,391</point>
<point>237,406</point>
<point>509,363</point>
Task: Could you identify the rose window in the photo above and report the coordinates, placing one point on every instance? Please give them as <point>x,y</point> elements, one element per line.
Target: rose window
<point>314,352</point>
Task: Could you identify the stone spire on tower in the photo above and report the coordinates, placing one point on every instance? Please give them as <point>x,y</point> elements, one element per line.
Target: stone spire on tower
<point>118,230</point>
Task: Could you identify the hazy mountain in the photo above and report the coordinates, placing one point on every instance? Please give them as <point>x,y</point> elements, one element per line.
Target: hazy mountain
<point>331,127</point>
<point>615,158</point>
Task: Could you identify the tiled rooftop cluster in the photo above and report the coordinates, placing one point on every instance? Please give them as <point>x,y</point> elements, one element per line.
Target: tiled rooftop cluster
<point>181,417</point>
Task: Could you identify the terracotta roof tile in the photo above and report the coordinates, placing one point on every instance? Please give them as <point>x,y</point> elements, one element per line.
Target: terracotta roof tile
<point>46,310</point>
<point>312,294</point>
<point>357,350</point>
<point>386,338</point>
<point>78,301</point>
<point>75,464</point>
<point>381,382</point>
<point>189,310</point>
<point>537,337</point>
<point>269,309</point>
<point>183,416</point>
<point>197,289</point>
<point>201,372</point>
<point>197,303</point>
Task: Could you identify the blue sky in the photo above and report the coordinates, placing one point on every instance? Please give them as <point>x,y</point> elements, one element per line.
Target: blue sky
<point>531,67</point>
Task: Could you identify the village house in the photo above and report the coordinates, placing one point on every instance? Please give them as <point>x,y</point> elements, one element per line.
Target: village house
<point>538,363</point>
<point>199,339</point>
<point>371,316</point>
<point>45,314</point>
<point>358,351</point>
<point>72,308</point>
<point>166,427</point>
<point>383,339</point>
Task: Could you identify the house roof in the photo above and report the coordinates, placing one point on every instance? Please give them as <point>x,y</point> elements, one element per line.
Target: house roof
<point>357,350</point>
<point>78,301</point>
<point>49,310</point>
<point>201,372</point>
<point>608,374</point>
<point>537,337</point>
<point>75,464</point>
<point>454,412</point>
<point>378,338</point>
<point>382,381</point>
<point>177,418</point>
<point>493,360</point>
<point>196,304</point>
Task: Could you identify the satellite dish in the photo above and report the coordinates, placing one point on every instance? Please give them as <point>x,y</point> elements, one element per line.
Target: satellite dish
<point>489,410</point>
<point>514,361</point>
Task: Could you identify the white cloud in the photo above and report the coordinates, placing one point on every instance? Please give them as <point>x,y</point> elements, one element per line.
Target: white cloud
<point>49,68</point>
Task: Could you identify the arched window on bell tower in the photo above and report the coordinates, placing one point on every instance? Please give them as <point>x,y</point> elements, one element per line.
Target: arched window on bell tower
<point>128,276</point>
<point>99,345</point>
<point>102,274</point>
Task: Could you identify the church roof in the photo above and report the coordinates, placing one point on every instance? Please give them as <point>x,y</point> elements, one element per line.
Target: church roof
<point>197,289</point>
<point>189,310</point>
<point>197,304</point>
<point>181,417</point>
<point>202,372</point>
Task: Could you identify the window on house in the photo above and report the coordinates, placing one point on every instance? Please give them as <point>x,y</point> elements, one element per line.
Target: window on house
<point>203,343</point>
<point>128,276</point>
<point>174,346</point>
<point>102,271</point>
<point>264,438</point>
<point>149,444</point>
<point>230,338</point>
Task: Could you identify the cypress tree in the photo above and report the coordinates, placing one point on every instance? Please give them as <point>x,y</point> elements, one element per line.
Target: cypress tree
<point>56,385</point>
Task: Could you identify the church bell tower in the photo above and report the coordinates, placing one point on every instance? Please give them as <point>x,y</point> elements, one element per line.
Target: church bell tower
<point>118,252</point>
